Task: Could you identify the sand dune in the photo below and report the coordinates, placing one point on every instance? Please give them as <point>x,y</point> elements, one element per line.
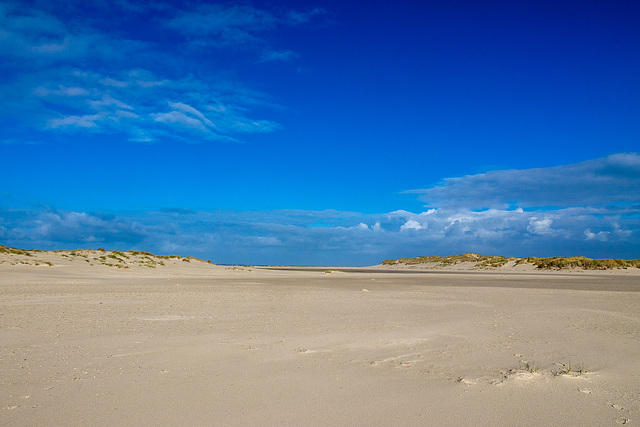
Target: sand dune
<point>190,343</point>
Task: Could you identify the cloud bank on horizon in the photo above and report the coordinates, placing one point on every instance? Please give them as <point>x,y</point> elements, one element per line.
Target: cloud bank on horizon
<point>589,208</point>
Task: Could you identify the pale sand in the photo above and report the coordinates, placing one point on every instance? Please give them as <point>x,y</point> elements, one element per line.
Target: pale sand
<point>195,344</point>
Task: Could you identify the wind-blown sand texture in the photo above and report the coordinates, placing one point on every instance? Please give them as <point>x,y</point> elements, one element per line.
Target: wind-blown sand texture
<point>190,343</point>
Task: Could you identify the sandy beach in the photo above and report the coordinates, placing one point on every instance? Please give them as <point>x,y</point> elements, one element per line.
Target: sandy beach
<point>190,343</point>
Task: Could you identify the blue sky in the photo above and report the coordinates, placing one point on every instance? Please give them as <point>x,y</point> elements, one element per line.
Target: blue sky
<point>321,132</point>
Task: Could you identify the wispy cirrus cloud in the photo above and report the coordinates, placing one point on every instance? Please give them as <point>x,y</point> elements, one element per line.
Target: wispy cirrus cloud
<point>65,71</point>
<point>295,17</point>
<point>277,55</point>
<point>229,24</point>
<point>223,24</point>
<point>613,179</point>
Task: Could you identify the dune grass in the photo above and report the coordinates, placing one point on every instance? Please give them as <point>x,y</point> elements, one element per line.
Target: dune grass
<point>493,262</point>
<point>559,263</point>
<point>480,260</point>
<point>100,256</point>
<point>532,367</point>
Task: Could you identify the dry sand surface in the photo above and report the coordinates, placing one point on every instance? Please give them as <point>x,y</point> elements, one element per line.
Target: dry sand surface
<point>191,343</point>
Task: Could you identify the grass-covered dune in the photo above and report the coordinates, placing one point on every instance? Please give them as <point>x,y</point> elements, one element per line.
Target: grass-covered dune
<point>581,262</point>
<point>118,259</point>
<point>490,262</point>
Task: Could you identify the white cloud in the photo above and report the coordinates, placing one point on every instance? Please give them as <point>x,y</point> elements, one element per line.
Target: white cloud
<point>188,109</point>
<point>180,118</point>
<point>156,109</point>
<point>185,115</point>
<point>279,55</point>
<point>230,25</point>
<point>412,225</point>
<point>87,121</point>
<point>540,226</point>
<point>613,179</point>
<point>601,235</point>
<point>298,18</point>
<point>27,31</point>
<point>50,229</point>
<point>60,91</point>
<point>67,72</point>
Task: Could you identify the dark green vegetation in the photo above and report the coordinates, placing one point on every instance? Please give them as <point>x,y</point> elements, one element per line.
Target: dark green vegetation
<point>16,251</point>
<point>490,262</point>
<point>557,263</point>
<point>481,261</point>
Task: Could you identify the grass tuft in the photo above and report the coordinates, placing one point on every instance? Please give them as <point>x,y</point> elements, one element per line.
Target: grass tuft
<point>573,370</point>
<point>582,369</point>
<point>532,367</point>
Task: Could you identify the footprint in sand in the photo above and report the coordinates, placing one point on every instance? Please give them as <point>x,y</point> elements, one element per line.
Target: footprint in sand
<point>622,420</point>
<point>585,390</point>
